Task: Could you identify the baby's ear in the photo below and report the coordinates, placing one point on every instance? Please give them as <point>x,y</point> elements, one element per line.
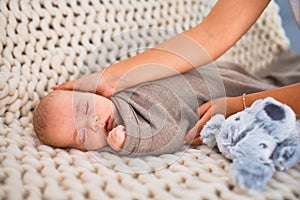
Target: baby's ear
<point>251,174</point>
<point>211,129</point>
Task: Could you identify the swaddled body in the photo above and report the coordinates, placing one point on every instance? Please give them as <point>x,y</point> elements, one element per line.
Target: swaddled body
<point>158,114</point>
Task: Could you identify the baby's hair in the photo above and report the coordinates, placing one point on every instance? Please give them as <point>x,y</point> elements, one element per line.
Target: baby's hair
<point>40,120</point>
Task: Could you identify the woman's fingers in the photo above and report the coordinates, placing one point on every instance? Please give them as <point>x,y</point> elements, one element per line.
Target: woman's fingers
<point>194,134</point>
<point>55,87</point>
<point>64,86</point>
<point>191,134</point>
<point>203,109</point>
<point>197,141</point>
<point>94,83</point>
<point>205,112</point>
<point>88,83</point>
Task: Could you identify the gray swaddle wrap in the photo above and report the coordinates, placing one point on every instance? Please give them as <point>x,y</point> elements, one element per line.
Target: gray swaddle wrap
<point>158,114</point>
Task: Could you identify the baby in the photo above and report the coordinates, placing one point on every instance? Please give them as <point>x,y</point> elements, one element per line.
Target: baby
<point>78,120</point>
<point>156,115</point>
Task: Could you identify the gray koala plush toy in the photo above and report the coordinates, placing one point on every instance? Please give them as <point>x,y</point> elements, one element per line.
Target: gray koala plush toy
<point>259,139</point>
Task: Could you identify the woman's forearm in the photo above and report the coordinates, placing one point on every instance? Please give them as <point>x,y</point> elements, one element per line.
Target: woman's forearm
<point>227,22</point>
<point>222,28</point>
<point>289,95</point>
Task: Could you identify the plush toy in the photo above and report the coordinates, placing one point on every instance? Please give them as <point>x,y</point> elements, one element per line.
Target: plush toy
<point>259,139</point>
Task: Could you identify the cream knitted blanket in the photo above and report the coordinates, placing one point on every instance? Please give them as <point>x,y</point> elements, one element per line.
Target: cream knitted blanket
<point>43,43</point>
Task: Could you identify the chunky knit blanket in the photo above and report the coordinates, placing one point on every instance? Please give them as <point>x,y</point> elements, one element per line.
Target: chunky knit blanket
<point>43,43</point>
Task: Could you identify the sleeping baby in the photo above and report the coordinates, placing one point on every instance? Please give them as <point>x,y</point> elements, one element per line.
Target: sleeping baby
<point>149,119</point>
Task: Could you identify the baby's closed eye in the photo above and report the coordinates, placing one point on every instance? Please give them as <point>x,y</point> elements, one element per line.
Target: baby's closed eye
<point>87,107</point>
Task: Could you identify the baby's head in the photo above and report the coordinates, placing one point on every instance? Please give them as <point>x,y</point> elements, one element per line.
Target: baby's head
<point>70,119</point>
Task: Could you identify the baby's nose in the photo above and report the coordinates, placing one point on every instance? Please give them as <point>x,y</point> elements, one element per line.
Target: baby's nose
<point>93,123</point>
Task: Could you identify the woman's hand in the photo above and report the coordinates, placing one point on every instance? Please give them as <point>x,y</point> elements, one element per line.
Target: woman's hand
<point>225,106</point>
<point>94,83</point>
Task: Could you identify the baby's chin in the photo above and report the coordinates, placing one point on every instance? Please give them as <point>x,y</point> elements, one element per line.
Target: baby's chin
<point>82,149</point>
<point>94,147</point>
<point>78,147</point>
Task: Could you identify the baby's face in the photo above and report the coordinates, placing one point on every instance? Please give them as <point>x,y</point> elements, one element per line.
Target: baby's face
<point>80,120</point>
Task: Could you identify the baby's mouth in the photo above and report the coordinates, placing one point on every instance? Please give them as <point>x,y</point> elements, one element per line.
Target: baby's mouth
<point>108,124</point>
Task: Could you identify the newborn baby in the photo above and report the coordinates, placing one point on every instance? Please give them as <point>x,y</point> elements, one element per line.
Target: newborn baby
<point>156,115</point>
<point>78,120</point>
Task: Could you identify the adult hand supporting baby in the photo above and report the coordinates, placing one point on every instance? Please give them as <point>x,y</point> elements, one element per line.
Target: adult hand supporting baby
<point>94,83</point>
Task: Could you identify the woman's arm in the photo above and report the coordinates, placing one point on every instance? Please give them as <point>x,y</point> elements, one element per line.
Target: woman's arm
<point>289,95</point>
<point>227,106</point>
<point>227,22</point>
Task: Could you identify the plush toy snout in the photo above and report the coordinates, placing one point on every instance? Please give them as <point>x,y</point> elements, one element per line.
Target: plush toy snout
<point>287,153</point>
<point>248,173</point>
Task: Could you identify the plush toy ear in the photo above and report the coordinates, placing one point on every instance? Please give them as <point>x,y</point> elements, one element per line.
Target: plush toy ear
<point>277,118</point>
<point>251,174</point>
<point>211,129</point>
<point>287,153</point>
